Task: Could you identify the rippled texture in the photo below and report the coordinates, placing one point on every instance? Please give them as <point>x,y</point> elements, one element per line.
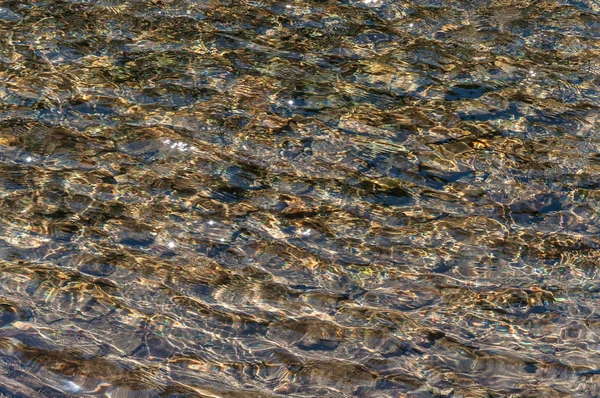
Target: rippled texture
<point>374,198</point>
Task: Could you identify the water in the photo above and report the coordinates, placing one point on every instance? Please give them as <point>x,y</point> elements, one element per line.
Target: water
<point>369,198</point>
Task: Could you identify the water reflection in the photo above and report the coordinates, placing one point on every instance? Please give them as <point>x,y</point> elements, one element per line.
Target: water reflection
<point>311,198</point>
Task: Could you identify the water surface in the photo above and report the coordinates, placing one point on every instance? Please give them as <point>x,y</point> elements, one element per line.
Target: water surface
<point>370,198</point>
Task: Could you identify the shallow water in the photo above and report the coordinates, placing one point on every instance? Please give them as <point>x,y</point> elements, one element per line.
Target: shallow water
<point>368,198</point>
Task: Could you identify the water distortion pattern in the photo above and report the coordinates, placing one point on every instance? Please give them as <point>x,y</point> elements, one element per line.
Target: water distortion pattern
<point>376,198</point>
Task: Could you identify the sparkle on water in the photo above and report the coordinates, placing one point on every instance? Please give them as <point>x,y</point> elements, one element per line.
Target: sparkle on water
<point>337,198</point>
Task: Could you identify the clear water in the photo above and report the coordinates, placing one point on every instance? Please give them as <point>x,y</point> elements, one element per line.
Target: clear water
<point>368,198</point>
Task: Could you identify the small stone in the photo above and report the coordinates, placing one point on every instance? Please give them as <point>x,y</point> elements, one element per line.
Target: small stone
<point>284,388</point>
<point>8,15</point>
